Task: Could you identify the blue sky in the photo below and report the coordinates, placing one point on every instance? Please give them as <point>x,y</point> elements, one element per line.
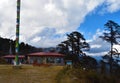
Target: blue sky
<point>45,23</point>
<point>95,21</point>
<point>93,26</point>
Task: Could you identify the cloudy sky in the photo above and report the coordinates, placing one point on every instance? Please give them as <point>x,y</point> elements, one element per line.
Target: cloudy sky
<point>45,23</point>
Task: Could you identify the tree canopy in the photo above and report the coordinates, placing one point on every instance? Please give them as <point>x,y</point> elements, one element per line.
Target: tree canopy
<point>5,45</point>
<point>111,35</point>
<point>73,47</point>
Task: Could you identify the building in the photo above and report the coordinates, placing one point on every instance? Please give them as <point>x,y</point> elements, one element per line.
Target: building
<point>11,58</point>
<point>46,58</point>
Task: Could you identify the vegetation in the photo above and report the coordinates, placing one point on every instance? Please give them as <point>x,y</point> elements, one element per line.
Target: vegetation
<point>73,75</point>
<point>85,68</point>
<point>28,74</point>
<point>73,47</point>
<point>2,61</point>
<point>88,63</point>
<point>111,35</point>
<point>5,45</point>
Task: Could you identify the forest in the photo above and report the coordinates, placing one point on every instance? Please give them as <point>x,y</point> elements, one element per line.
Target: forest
<point>7,46</point>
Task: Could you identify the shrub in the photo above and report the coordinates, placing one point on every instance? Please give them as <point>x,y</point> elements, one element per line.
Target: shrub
<point>2,61</point>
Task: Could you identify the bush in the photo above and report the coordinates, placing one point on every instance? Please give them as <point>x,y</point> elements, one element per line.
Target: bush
<point>84,76</point>
<point>61,74</point>
<point>2,61</point>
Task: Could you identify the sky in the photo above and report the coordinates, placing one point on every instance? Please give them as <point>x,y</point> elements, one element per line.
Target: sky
<point>45,23</point>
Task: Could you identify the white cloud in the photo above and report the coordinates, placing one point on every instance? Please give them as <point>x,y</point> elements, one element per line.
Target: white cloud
<point>97,54</point>
<point>95,46</point>
<point>113,5</point>
<point>98,33</point>
<point>58,16</point>
<point>117,47</point>
<point>36,39</point>
<point>110,6</point>
<point>98,47</point>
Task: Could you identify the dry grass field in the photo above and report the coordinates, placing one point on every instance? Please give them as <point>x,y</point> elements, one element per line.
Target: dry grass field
<point>28,74</point>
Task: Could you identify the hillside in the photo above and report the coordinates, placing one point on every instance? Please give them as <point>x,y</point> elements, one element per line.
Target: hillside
<point>6,44</point>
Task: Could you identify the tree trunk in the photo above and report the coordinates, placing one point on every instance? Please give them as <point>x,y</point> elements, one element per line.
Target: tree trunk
<point>110,61</point>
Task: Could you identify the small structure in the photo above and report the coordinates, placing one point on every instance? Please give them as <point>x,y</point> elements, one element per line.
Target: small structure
<point>11,58</point>
<point>46,58</point>
<point>69,63</point>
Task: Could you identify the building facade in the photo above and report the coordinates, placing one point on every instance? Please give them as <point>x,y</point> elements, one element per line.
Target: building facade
<point>46,58</point>
<point>11,58</point>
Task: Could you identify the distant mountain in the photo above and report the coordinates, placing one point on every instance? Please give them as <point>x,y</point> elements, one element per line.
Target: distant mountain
<point>98,58</point>
<point>49,49</point>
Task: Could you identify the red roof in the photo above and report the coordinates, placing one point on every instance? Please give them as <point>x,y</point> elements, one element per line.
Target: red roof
<point>43,54</point>
<point>13,56</point>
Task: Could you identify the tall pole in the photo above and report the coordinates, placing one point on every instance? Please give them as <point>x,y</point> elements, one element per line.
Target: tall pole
<point>17,32</point>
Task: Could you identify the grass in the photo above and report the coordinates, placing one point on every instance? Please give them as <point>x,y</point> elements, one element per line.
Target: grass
<point>28,74</point>
<point>73,75</point>
<point>51,74</point>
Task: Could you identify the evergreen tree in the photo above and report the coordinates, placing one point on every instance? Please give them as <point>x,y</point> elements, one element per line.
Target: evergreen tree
<point>73,46</point>
<point>111,35</point>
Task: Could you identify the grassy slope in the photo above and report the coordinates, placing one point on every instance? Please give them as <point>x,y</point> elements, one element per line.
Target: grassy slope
<point>28,74</point>
<point>68,75</point>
